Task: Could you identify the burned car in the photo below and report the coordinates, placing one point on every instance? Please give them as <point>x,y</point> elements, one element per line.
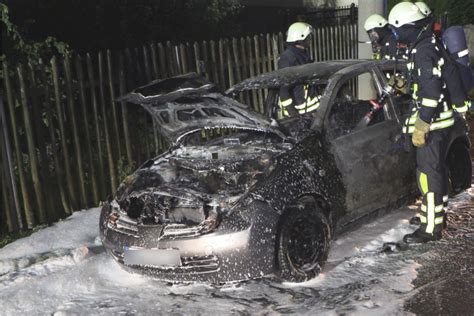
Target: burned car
<point>236,197</point>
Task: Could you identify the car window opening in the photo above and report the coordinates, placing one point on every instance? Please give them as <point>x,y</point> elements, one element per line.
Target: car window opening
<point>352,105</point>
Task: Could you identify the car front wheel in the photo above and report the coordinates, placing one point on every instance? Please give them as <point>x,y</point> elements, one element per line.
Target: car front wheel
<point>303,242</point>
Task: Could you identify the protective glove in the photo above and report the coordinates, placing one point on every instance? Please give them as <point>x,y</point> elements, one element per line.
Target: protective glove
<point>419,134</point>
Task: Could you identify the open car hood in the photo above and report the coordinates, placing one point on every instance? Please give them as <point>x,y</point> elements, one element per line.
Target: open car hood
<point>185,104</point>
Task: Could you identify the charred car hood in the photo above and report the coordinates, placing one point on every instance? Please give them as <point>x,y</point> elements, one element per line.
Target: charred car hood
<point>188,103</point>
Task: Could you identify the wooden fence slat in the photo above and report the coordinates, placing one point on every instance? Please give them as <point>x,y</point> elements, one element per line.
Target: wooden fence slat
<point>268,42</point>
<point>320,45</point>
<point>245,69</point>
<point>251,62</point>
<point>223,85</point>
<point>128,144</point>
<point>281,43</point>
<point>237,60</point>
<point>88,140</point>
<point>59,172</point>
<point>154,61</point>
<point>146,63</point>
<point>314,45</point>
<point>230,70</point>
<point>12,225</point>
<point>75,133</point>
<point>190,61</point>
<point>258,71</point>
<point>35,173</point>
<point>97,129</point>
<point>197,58</point>
<point>38,127</point>
<point>207,65</point>
<point>139,67</point>
<point>108,143</point>
<point>162,56</point>
<point>115,121</point>
<point>214,64</point>
<point>184,59</point>
<point>171,57</point>
<point>30,220</point>
<point>264,61</point>
<point>275,51</point>
<point>9,187</point>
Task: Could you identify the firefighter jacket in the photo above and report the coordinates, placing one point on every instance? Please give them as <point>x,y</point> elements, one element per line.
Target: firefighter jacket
<point>429,90</point>
<point>300,98</point>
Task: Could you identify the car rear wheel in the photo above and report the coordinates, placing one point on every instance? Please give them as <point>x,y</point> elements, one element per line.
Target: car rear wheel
<point>303,242</point>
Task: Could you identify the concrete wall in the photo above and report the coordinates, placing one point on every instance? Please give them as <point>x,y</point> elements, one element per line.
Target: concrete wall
<point>366,9</point>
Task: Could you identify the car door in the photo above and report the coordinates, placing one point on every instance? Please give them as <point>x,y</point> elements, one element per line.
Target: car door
<point>372,162</point>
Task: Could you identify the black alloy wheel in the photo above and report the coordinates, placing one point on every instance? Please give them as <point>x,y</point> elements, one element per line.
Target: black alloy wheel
<point>303,242</point>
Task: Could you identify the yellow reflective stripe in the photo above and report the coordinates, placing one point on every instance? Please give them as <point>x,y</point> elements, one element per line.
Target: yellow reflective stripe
<point>312,101</point>
<point>438,220</point>
<point>438,208</point>
<point>436,72</point>
<point>446,114</point>
<point>312,107</point>
<point>422,219</point>
<point>430,212</point>
<point>423,179</point>
<point>415,91</point>
<point>463,108</point>
<point>442,124</point>
<point>300,106</point>
<point>285,103</point>
<point>429,102</point>
<point>410,65</point>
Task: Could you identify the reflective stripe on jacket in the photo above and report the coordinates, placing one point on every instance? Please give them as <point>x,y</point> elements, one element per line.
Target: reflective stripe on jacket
<point>428,90</point>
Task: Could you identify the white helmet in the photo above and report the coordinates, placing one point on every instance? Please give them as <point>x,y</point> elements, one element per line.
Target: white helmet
<point>404,13</point>
<point>298,31</point>
<point>423,8</point>
<point>374,21</point>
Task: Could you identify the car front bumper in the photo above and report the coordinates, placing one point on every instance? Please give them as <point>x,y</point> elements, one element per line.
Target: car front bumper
<point>227,254</point>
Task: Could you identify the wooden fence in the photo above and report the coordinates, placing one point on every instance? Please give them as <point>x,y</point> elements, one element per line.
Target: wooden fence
<point>66,144</point>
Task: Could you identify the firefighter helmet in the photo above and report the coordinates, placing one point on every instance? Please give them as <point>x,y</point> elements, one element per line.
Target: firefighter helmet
<point>374,21</point>
<point>298,31</point>
<point>423,8</point>
<point>404,13</point>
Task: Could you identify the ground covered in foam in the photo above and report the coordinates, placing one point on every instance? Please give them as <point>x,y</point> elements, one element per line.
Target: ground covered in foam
<point>63,269</point>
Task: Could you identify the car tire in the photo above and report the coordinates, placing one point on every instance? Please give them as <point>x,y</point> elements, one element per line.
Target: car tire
<point>302,242</point>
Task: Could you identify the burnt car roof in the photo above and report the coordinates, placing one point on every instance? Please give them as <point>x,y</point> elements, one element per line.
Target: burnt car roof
<point>308,73</point>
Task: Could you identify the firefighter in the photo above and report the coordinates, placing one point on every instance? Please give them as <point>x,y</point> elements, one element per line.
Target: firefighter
<point>431,118</point>
<point>299,99</point>
<point>384,45</point>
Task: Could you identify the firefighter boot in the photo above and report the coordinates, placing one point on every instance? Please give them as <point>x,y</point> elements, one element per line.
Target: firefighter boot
<point>431,218</point>
<point>419,236</point>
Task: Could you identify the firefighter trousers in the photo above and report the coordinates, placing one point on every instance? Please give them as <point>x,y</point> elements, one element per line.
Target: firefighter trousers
<point>432,178</point>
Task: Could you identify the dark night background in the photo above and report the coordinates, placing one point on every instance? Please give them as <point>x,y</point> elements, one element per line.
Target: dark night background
<point>89,25</point>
